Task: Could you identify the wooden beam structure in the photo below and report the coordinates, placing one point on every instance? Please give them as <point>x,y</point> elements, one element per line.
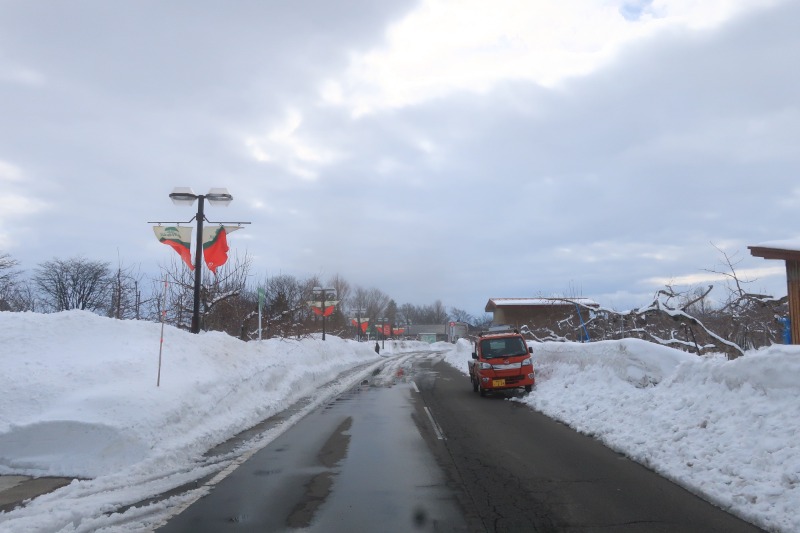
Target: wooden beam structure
<point>791,258</point>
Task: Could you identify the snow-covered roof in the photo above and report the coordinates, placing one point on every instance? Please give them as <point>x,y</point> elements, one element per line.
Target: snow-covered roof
<point>503,302</point>
<point>792,245</point>
<point>781,249</point>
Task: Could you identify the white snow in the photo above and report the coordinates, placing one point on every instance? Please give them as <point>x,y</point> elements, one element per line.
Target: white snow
<point>790,245</point>
<point>726,430</point>
<point>540,301</point>
<point>80,399</point>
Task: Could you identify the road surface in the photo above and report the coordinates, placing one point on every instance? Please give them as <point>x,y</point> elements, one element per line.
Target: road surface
<point>412,448</point>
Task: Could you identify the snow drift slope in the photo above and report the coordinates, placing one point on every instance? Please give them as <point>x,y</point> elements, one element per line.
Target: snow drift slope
<point>726,430</point>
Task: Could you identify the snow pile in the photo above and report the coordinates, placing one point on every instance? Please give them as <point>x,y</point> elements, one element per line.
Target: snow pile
<point>79,399</point>
<point>723,429</point>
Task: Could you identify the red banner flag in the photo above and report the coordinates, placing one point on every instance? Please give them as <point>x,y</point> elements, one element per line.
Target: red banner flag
<point>215,246</point>
<point>328,310</point>
<point>179,238</point>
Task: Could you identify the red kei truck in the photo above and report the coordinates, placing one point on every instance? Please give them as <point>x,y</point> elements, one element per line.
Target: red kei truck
<point>501,361</point>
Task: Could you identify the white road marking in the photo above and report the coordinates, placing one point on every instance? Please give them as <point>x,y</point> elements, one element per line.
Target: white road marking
<point>436,428</point>
<point>414,383</point>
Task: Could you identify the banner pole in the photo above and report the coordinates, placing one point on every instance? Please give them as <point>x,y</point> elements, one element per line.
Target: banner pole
<point>161,344</point>
<point>260,305</point>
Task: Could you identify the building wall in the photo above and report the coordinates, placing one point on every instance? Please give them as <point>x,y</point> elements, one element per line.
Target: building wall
<point>518,316</point>
<point>536,317</point>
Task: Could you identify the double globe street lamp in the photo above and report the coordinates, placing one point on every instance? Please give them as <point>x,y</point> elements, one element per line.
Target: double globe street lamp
<point>383,322</point>
<point>323,294</point>
<point>186,197</point>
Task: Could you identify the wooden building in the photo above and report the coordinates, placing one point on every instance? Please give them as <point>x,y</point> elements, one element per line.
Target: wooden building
<point>537,312</point>
<point>789,253</point>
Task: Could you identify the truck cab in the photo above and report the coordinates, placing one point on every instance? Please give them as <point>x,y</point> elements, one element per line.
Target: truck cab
<point>501,361</point>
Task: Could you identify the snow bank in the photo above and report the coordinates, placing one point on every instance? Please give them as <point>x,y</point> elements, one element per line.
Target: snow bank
<point>724,429</point>
<point>80,398</point>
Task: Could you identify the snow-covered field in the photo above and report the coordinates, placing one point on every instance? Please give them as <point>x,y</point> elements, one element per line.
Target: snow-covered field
<point>80,400</point>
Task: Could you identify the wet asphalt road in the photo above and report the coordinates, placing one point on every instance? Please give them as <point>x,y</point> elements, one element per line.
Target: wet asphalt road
<point>358,464</point>
<point>522,471</point>
<point>414,449</point>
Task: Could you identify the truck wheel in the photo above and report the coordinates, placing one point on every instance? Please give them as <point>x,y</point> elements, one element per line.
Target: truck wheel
<point>481,390</point>
<point>528,388</point>
<point>474,385</point>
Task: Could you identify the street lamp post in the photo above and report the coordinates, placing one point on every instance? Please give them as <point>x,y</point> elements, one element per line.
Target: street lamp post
<point>322,292</point>
<point>185,196</point>
<point>383,322</point>
<point>359,311</point>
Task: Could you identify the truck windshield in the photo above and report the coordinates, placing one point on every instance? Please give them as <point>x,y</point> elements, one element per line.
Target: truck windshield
<point>508,347</point>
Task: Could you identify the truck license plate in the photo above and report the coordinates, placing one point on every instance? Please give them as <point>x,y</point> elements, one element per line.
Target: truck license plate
<point>498,383</point>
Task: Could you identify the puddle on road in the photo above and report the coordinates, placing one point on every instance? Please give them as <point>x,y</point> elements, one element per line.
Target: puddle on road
<point>319,487</point>
<point>335,447</point>
<point>405,369</point>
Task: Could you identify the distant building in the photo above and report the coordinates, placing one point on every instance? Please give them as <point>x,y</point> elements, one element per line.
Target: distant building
<point>538,313</point>
<point>431,332</point>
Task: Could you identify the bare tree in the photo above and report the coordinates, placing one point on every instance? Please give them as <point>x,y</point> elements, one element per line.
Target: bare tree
<point>484,321</point>
<point>376,303</point>
<point>439,312</point>
<point>750,320</point>
<point>341,286</point>
<point>178,282</point>
<point>287,310</point>
<point>126,293</point>
<point>220,295</point>
<point>16,293</point>
<point>459,315</point>
<point>427,314</point>
<point>409,313</point>
<point>369,303</point>
<point>75,283</point>
<point>228,284</point>
<point>684,319</point>
<point>22,297</point>
<point>9,278</point>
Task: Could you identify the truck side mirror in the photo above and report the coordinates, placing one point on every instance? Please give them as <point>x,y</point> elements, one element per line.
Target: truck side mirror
<point>530,350</point>
<point>474,355</point>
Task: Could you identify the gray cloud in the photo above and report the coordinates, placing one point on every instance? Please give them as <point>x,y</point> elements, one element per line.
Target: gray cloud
<point>593,187</point>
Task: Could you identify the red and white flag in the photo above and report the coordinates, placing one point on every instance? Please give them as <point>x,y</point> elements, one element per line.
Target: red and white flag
<point>179,238</point>
<point>215,246</point>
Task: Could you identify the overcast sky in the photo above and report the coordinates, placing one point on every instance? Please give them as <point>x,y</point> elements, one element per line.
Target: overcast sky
<point>436,149</point>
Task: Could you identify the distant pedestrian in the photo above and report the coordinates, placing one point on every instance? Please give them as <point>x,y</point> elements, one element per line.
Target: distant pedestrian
<point>377,348</point>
